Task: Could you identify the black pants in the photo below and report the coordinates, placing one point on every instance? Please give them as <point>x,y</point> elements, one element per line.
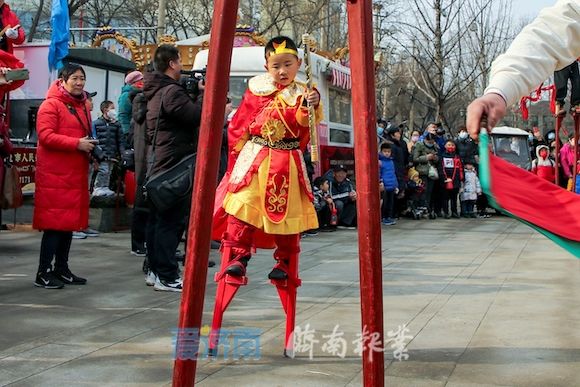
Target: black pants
<point>438,196</point>
<point>163,236</point>
<point>55,244</point>
<point>561,80</point>
<point>428,193</point>
<point>346,211</point>
<point>482,204</point>
<point>450,199</point>
<point>139,222</point>
<point>388,207</point>
<point>467,207</point>
<point>139,219</point>
<point>323,216</point>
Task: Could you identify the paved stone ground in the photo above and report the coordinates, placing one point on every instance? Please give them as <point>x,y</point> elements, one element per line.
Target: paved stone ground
<point>489,303</point>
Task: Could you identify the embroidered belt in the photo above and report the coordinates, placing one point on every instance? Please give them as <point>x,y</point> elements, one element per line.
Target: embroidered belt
<point>284,144</point>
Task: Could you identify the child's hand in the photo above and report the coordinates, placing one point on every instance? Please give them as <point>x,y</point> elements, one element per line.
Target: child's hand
<point>313,98</point>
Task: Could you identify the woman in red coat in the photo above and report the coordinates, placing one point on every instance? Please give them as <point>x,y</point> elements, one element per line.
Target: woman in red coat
<point>61,203</point>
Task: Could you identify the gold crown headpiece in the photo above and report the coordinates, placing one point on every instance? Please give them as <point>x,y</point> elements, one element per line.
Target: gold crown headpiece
<point>280,48</point>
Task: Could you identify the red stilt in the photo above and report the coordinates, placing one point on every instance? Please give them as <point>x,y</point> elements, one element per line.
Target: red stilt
<point>226,290</point>
<point>287,291</point>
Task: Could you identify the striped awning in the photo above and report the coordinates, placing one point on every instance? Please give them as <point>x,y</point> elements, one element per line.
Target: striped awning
<point>341,79</point>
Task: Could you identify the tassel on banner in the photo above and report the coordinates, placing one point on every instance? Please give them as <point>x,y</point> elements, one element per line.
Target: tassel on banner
<point>535,96</point>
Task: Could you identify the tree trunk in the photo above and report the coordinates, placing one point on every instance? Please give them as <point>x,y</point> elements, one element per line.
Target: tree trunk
<point>35,21</point>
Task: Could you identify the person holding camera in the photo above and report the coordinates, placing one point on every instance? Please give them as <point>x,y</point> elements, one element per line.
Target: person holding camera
<point>109,149</point>
<point>61,203</point>
<point>172,129</point>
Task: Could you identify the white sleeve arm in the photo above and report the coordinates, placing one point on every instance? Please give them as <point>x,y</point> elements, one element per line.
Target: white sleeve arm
<point>551,42</point>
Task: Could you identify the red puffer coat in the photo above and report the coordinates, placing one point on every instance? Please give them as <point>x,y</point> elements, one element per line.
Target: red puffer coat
<point>62,192</point>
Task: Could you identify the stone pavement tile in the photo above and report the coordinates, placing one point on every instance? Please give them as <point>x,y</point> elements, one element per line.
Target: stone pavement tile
<point>524,305</point>
<point>435,365</point>
<point>461,384</point>
<point>119,330</point>
<point>291,372</point>
<point>531,332</point>
<point>524,366</point>
<point>396,381</point>
<point>139,363</point>
<point>39,359</point>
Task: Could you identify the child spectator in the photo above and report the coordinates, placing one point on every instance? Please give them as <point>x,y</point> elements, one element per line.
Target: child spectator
<point>415,189</point>
<point>543,165</point>
<point>470,190</point>
<point>390,183</point>
<point>451,171</point>
<point>108,132</point>
<point>324,205</point>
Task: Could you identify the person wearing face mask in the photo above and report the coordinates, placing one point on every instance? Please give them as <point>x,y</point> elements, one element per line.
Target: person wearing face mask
<point>108,131</point>
<point>466,147</point>
<point>425,158</point>
<point>381,125</point>
<point>451,173</point>
<point>543,165</point>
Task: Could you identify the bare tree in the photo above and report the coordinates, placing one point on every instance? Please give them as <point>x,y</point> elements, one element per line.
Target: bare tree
<point>437,38</point>
<point>35,21</point>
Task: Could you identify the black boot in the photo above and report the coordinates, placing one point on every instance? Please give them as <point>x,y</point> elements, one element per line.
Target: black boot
<point>237,267</point>
<point>280,271</point>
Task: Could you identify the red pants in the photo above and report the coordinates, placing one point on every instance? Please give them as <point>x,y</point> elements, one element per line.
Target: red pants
<point>239,236</point>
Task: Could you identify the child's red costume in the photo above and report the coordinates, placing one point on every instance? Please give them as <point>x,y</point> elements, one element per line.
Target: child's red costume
<point>265,198</point>
<point>266,187</point>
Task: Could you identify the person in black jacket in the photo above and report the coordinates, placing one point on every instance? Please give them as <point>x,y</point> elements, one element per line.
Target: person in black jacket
<point>400,155</point>
<point>466,147</point>
<point>137,133</point>
<point>108,131</point>
<point>176,118</point>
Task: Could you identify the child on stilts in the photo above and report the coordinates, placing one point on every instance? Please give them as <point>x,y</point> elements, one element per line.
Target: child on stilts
<point>268,196</point>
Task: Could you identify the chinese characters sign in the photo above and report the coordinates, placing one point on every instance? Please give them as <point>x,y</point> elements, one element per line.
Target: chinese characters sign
<point>25,160</point>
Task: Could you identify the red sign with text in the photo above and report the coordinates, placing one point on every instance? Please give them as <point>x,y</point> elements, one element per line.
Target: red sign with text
<point>25,160</point>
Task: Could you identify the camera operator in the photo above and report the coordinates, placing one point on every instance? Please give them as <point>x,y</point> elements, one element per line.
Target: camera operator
<point>176,118</point>
<point>436,130</point>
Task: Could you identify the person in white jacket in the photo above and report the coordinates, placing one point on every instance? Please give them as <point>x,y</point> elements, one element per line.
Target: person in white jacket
<point>551,42</point>
<point>470,190</point>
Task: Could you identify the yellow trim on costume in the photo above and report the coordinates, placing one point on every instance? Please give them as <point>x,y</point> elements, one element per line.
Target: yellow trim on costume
<point>241,142</point>
<point>280,48</point>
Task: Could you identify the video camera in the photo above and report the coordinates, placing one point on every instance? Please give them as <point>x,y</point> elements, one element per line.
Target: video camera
<point>190,81</point>
<point>440,130</point>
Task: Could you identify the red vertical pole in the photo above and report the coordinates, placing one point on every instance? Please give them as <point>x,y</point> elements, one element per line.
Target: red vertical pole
<point>360,36</point>
<point>210,135</point>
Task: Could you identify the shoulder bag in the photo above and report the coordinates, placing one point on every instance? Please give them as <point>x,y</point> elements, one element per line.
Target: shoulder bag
<point>11,193</point>
<point>168,187</point>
